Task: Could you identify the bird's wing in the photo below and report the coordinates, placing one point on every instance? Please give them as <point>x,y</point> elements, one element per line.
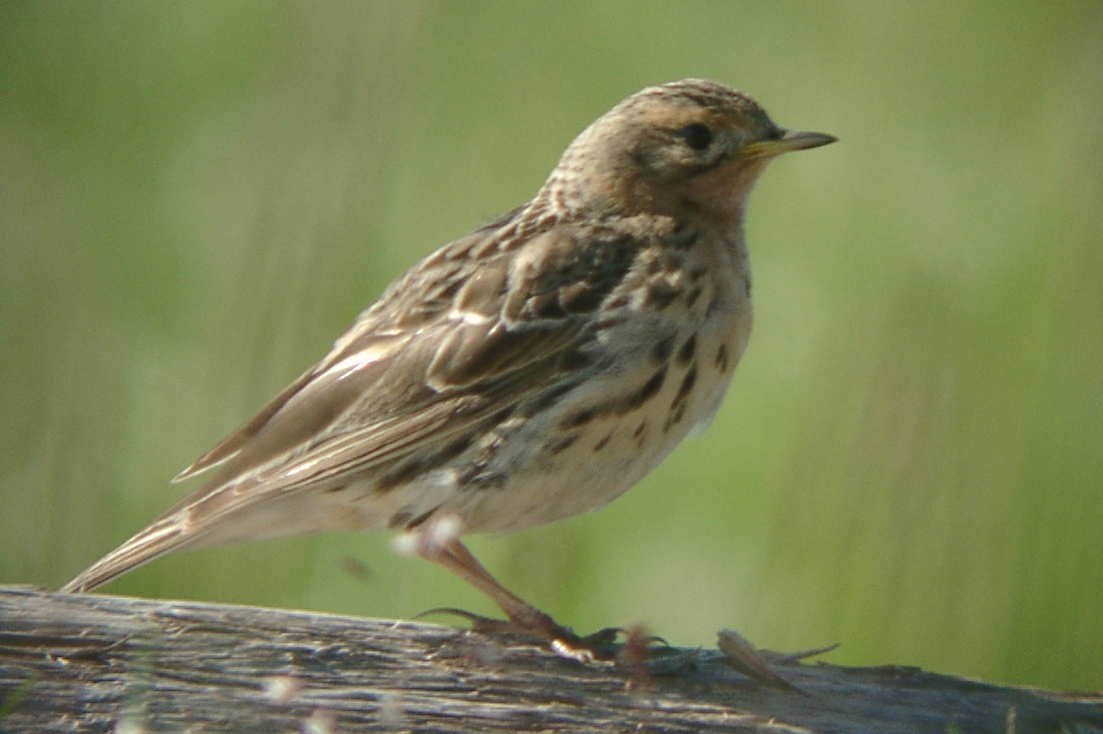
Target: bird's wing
<point>473,331</point>
<point>411,303</point>
<point>454,341</point>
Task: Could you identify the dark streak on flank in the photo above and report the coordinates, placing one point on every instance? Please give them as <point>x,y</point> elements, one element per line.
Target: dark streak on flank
<point>477,477</point>
<point>677,412</point>
<point>678,405</point>
<point>722,358</point>
<point>662,350</point>
<point>603,442</point>
<point>421,518</point>
<point>688,351</point>
<point>638,398</point>
<point>562,444</point>
<point>618,406</point>
<point>405,519</point>
<point>580,418</point>
<point>687,384</point>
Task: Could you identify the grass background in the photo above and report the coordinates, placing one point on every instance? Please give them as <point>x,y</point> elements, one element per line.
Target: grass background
<point>196,198</point>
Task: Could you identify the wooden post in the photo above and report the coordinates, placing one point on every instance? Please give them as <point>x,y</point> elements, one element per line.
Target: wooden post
<point>94,663</point>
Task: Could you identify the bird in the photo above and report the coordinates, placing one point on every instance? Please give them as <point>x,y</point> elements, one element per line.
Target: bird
<point>532,370</point>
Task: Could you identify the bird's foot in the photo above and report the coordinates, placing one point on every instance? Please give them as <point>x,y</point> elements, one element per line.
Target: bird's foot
<point>563,641</point>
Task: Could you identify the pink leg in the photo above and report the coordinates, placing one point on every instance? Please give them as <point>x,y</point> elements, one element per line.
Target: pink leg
<point>454,555</point>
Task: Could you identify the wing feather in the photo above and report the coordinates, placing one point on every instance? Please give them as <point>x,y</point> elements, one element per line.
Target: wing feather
<point>385,380</point>
<point>473,331</point>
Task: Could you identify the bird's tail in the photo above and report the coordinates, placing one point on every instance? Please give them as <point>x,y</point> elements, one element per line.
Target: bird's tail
<point>163,536</point>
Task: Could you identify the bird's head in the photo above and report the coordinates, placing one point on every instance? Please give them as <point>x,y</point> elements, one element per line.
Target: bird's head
<point>691,146</point>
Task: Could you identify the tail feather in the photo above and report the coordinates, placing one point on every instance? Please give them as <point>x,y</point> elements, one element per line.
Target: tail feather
<point>160,538</point>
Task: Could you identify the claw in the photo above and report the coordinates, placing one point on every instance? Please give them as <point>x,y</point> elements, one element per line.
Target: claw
<point>603,637</point>
<point>479,623</point>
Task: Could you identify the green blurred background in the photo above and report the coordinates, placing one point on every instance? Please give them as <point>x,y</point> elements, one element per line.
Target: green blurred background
<point>197,197</point>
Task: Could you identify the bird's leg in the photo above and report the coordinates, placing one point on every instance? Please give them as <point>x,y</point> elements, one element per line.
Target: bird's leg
<point>454,555</point>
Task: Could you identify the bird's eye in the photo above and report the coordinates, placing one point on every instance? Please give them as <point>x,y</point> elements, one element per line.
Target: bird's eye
<point>697,136</point>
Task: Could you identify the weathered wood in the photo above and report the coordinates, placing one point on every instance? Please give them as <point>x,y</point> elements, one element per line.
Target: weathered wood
<point>92,663</point>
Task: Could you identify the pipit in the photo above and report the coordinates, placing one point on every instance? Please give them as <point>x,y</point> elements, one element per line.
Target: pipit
<point>532,370</point>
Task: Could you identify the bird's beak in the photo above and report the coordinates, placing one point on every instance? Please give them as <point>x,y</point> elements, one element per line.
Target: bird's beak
<point>789,141</point>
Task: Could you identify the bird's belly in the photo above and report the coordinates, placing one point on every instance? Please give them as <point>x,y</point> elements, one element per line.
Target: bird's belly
<point>570,462</point>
